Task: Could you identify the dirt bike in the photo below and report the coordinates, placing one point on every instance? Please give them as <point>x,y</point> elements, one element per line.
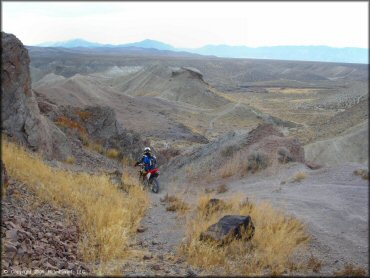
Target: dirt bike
<point>149,179</point>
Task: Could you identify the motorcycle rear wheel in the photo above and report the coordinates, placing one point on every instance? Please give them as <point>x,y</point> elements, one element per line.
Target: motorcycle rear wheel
<point>155,185</point>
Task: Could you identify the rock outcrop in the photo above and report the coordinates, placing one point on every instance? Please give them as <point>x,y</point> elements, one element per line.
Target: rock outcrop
<point>230,227</point>
<point>96,124</point>
<point>38,239</point>
<point>20,113</point>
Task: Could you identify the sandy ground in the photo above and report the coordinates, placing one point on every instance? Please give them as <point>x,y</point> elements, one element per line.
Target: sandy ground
<point>332,201</point>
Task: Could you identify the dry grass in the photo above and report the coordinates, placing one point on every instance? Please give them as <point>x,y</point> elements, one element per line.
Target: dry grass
<point>70,159</point>
<point>237,164</point>
<point>222,188</point>
<point>113,153</point>
<point>362,173</point>
<point>298,177</point>
<point>175,204</point>
<point>108,216</point>
<point>127,161</point>
<point>314,264</point>
<point>209,190</point>
<point>241,163</point>
<point>351,270</point>
<point>68,123</point>
<point>96,147</point>
<point>276,238</point>
<point>84,115</point>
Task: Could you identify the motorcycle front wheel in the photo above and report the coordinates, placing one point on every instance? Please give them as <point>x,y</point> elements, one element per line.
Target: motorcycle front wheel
<point>155,185</point>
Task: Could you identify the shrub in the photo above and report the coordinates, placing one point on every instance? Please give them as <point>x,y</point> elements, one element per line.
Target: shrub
<point>299,176</point>
<point>84,139</point>
<point>68,123</point>
<point>351,270</point>
<point>363,173</point>
<point>234,165</point>
<point>97,147</point>
<point>314,264</point>
<point>228,151</point>
<point>284,155</point>
<point>175,204</point>
<point>257,161</point>
<point>222,188</point>
<point>113,153</point>
<point>84,115</point>
<point>70,159</point>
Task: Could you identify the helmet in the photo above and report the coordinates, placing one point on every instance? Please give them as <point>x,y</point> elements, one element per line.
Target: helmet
<point>147,150</point>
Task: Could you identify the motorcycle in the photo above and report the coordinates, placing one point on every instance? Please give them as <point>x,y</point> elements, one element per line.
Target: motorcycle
<point>149,179</point>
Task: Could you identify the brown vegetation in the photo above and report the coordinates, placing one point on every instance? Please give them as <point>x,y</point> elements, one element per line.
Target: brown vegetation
<point>314,264</point>
<point>362,173</point>
<point>84,115</point>
<point>222,188</point>
<point>351,270</point>
<point>68,123</point>
<point>175,204</point>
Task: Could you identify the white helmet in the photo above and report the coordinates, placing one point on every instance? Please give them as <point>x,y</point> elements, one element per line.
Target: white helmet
<point>147,150</point>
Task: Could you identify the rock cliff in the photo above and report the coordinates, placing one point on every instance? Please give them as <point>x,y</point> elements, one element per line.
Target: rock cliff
<point>20,113</point>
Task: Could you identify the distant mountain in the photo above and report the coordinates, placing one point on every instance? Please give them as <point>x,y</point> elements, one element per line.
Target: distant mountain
<point>151,44</point>
<point>296,53</point>
<point>71,44</point>
<point>303,53</point>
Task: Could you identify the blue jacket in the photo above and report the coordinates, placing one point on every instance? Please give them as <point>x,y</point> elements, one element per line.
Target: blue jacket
<point>149,161</point>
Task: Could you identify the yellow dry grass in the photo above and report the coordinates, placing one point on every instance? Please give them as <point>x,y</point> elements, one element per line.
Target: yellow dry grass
<point>113,153</point>
<point>234,165</point>
<point>96,147</point>
<point>276,238</point>
<point>107,216</point>
<point>299,176</point>
<point>70,159</point>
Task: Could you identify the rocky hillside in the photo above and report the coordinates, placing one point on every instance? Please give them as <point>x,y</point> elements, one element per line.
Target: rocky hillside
<point>183,84</point>
<point>264,145</point>
<point>20,114</point>
<point>93,124</point>
<point>55,129</point>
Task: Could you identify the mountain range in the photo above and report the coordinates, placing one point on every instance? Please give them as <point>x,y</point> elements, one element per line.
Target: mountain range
<point>297,53</point>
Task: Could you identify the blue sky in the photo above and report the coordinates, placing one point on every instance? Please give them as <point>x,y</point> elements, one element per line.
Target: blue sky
<point>191,24</point>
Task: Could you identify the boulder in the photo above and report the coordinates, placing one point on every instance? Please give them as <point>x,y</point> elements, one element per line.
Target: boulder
<point>20,113</point>
<point>228,228</point>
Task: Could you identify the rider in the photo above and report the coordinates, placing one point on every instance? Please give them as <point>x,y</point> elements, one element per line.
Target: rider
<point>148,160</point>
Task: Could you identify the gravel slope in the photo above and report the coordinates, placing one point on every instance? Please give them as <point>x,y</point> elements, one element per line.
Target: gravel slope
<point>332,201</point>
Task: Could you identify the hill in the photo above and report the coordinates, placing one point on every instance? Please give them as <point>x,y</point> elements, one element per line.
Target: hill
<point>296,53</point>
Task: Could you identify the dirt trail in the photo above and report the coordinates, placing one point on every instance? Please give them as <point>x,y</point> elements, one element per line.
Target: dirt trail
<point>163,233</point>
<point>223,113</point>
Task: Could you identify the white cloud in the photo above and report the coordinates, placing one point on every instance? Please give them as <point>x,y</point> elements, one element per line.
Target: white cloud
<point>191,24</point>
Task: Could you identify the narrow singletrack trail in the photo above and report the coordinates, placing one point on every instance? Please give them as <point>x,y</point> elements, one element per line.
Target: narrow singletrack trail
<point>158,243</point>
